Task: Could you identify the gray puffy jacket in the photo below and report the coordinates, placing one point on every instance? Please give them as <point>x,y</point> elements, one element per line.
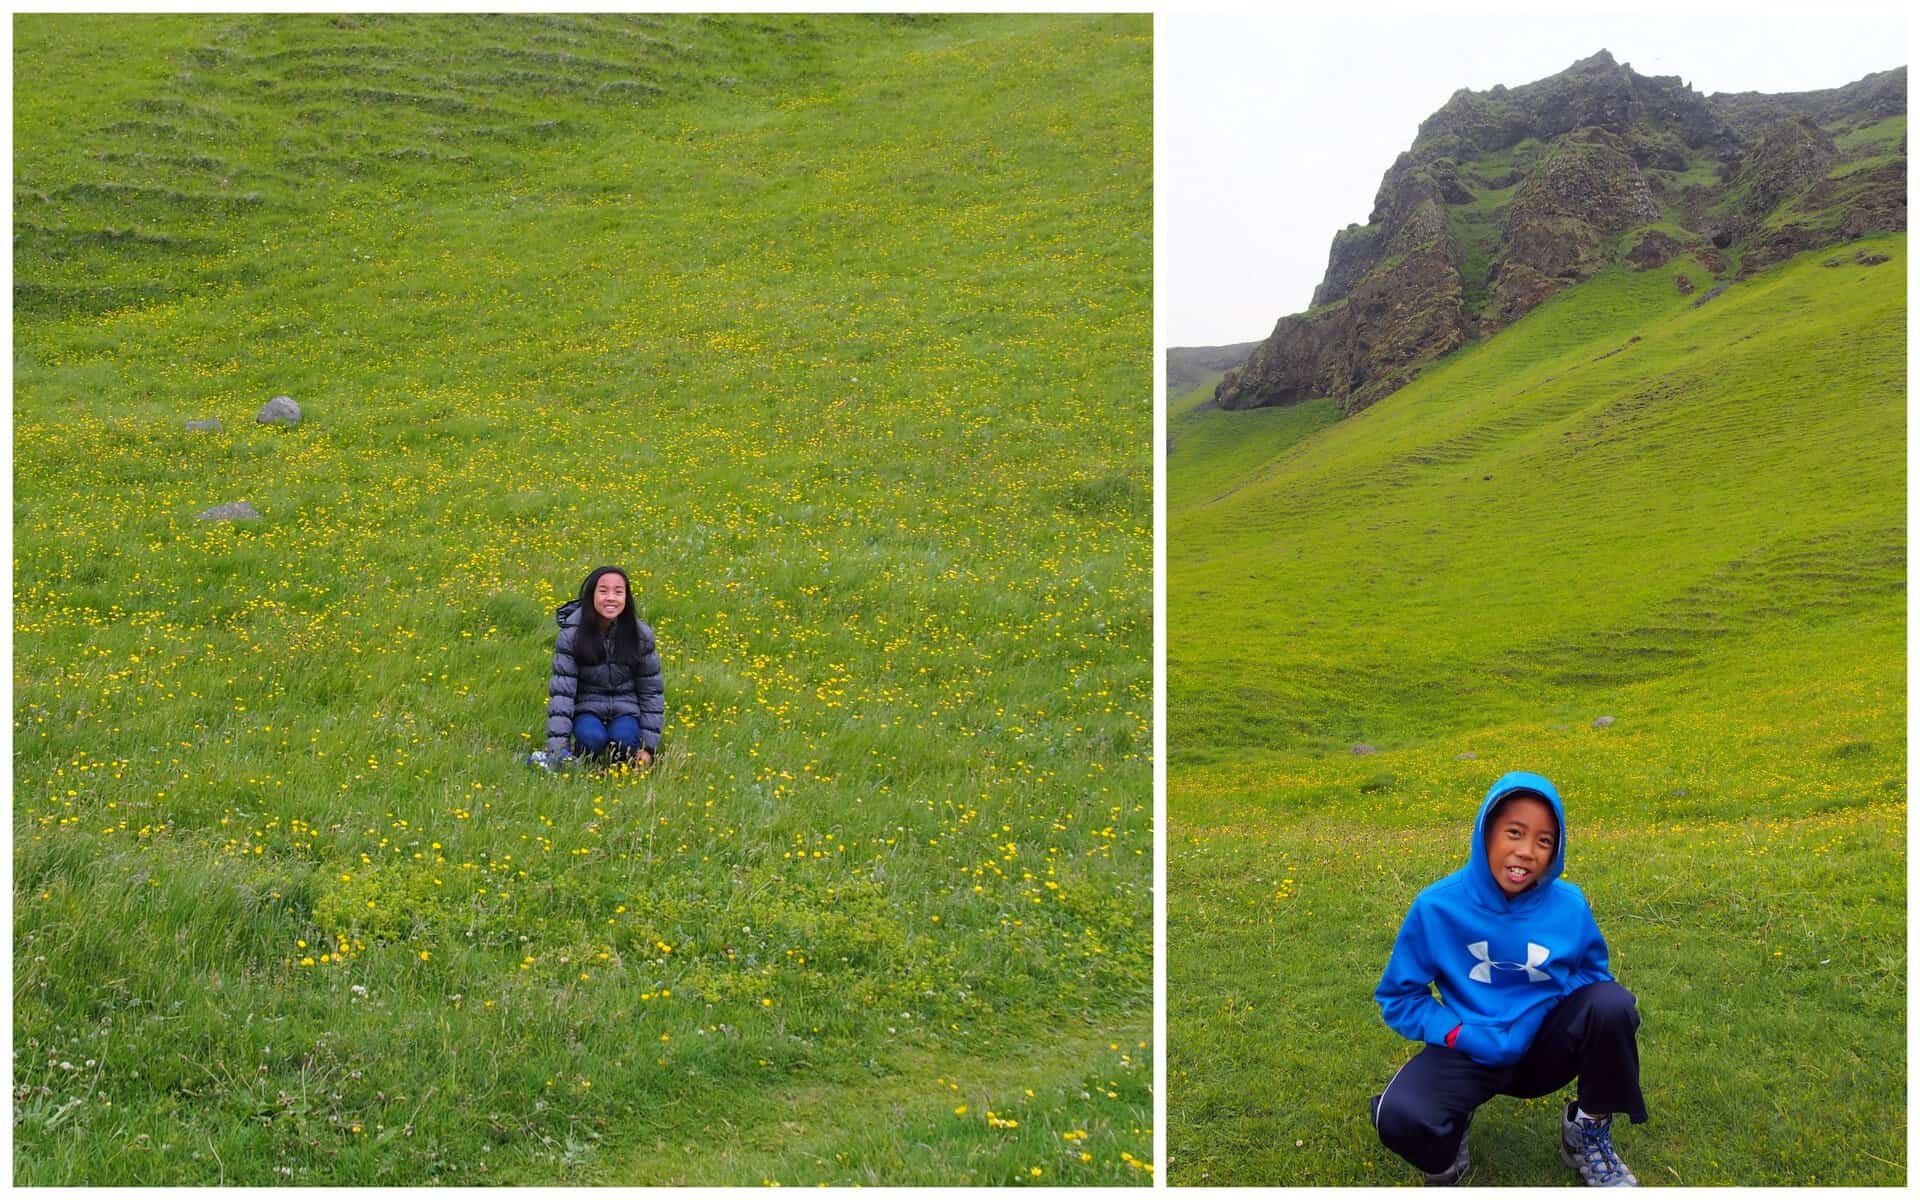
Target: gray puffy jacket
<point>606,689</point>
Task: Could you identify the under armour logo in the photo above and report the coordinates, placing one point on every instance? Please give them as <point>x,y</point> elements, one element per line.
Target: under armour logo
<point>1483,971</point>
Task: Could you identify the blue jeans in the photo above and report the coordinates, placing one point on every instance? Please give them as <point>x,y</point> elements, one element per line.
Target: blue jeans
<point>592,736</point>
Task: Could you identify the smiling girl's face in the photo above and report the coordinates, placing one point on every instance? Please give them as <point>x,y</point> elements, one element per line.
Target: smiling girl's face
<point>609,596</point>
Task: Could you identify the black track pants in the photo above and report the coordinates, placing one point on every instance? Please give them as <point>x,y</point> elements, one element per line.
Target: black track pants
<point>1423,1112</point>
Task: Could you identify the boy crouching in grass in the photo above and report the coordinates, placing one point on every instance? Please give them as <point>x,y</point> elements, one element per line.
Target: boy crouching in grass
<point>1529,1004</point>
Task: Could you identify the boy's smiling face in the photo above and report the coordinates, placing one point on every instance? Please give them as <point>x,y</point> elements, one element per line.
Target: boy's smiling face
<point>1521,840</point>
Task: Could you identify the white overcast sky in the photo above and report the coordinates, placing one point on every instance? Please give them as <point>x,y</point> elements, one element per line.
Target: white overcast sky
<point>1272,131</point>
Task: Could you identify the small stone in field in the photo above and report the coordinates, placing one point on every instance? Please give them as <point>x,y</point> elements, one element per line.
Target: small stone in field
<point>1363,748</point>
<point>210,424</point>
<point>281,410</point>
<point>1602,722</point>
<point>240,510</point>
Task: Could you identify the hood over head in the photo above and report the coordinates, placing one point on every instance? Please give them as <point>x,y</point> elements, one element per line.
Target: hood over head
<point>1479,867</point>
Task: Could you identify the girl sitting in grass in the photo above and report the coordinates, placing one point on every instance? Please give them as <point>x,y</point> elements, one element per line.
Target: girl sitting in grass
<point>605,697</point>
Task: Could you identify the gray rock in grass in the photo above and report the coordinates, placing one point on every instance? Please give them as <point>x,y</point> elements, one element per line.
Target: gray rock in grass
<point>1602,722</point>
<point>1469,756</point>
<point>1363,748</point>
<point>281,410</point>
<point>239,510</point>
<point>211,424</point>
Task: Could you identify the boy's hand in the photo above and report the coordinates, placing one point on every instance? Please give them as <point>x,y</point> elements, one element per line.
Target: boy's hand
<point>1468,1040</point>
<point>645,756</point>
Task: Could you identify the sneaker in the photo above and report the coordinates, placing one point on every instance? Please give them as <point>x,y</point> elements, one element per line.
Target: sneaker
<point>1587,1147</point>
<point>1452,1174</point>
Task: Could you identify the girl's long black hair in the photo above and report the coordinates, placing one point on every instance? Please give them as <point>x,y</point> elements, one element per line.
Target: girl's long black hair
<point>588,647</point>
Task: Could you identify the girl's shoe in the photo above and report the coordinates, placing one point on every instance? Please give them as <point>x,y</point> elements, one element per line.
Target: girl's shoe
<point>1587,1147</point>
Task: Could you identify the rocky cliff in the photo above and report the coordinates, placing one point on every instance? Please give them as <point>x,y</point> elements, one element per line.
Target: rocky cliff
<point>1189,366</point>
<point>1511,195</point>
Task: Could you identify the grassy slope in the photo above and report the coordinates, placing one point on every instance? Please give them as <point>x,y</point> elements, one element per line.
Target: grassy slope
<point>1220,452</point>
<point>835,331</point>
<point>1692,520</point>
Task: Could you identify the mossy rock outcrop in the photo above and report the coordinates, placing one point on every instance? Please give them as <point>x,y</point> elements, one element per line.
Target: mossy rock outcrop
<point>1511,195</point>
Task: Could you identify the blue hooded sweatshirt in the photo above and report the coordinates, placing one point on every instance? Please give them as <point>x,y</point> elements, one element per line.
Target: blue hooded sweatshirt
<point>1501,962</point>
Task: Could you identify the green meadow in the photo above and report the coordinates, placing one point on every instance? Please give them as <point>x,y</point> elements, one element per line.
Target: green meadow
<point>1687,517</point>
<point>836,332</point>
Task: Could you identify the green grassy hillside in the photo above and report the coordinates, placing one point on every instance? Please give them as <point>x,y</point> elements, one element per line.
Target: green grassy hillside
<point>836,332</point>
<point>1690,518</point>
<point>1209,457</point>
